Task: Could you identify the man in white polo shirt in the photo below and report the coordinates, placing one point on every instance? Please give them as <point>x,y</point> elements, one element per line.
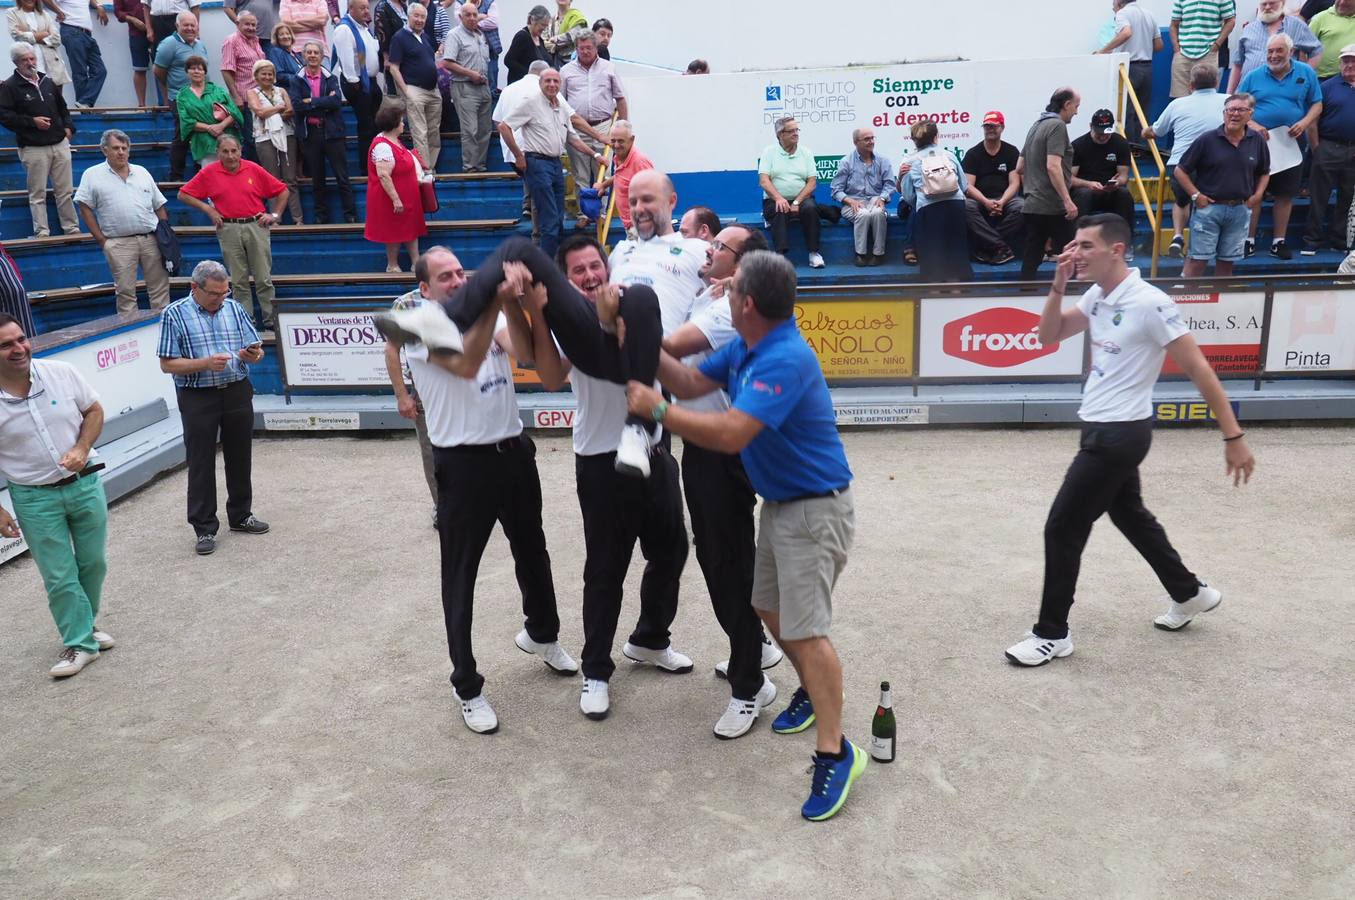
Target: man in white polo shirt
<point>49,420</point>
<point>1133,327</point>
<point>486,473</point>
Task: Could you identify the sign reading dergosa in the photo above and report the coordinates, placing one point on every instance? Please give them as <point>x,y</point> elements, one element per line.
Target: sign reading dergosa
<point>331,349</point>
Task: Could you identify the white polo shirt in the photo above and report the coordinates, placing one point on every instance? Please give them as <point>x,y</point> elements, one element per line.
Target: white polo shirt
<point>670,264</point>
<point>1130,329</point>
<point>509,99</point>
<point>539,127</point>
<point>710,314</point>
<point>479,410</point>
<point>123,208</point>
<point>37,430</point>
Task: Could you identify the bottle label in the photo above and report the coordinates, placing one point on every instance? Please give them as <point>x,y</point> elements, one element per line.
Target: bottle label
<point>882,748</point>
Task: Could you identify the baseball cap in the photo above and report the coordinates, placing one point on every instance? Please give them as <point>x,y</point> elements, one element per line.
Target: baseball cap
<point>1103,119</point>
<point>1347,50</point>
<point>993,117</point>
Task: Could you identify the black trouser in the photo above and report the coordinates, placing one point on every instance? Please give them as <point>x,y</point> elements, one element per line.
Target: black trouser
<point>478,486</point>
<point>1333,167</point>
<point>1141,80</point>
<point>990,236</point>
<point>206,414</point>
<point>1118,201</point>
<point>247,149</point>
<point>1104,477</point>
<point>720,499</point>
<point>618,509</point>
<point>1039,228</point>
<point>178,147</point>
<point>809,224</point>
<point>365,104</point>
<point>572,318</point>
<point>316,150</point>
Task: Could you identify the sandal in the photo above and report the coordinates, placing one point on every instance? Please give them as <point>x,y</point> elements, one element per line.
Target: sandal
<point>910,257</point>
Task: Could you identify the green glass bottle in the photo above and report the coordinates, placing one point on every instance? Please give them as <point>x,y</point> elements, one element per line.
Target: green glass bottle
<point>882,727</point>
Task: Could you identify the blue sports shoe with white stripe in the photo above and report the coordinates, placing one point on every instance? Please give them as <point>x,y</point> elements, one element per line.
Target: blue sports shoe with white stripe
<point>832,780</point>
<point>796,717</point>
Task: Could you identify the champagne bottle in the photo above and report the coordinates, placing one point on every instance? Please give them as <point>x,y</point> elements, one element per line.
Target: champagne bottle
<point>882,727</point>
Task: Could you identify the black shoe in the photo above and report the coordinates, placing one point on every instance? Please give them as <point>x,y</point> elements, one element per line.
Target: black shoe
<point>1177,248</point>
<point>861,259</point>
<point>1003,257</point>
<point>206,544</point>
<point>1309,249</point>
<point>1280,250</point>
<point>350,218</point>
<point>1248,247</point>
<point>877,259</point>
<point>250,525</point>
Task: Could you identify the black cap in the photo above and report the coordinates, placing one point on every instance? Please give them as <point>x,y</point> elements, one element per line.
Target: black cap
<point>1103,119</point>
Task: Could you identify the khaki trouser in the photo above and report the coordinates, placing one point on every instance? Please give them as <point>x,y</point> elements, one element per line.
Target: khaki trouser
<point>282,166</point>
<point>473,105</point>
<point>246,250</point>
<point>424,109</point>
<point>1181,66</point>
<point>124,254</point>
<point>54,162</point>
<point>582,165</point>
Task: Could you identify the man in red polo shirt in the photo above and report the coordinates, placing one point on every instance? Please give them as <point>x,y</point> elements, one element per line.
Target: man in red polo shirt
<point>629,163</point>
<point>237,189</point>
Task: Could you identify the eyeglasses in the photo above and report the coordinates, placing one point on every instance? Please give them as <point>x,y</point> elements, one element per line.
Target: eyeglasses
<point>721,245</point>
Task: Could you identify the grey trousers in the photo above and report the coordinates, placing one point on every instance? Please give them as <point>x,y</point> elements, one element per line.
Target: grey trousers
<point>473,105</point>
<point>868,227</point>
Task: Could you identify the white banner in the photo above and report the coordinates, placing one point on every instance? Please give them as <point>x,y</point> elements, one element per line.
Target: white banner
<point>1311,331</point>
<point>1227,327</point>
<point>331,349</point>
<point>992,337</point>
<point>123,368</point>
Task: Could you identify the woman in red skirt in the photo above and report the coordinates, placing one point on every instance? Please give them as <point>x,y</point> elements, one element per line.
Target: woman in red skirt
<point>394,208</point>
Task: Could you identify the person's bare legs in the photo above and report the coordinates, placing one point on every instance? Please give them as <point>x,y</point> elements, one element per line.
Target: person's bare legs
<point>1194,268</point>
<point>820,671</point>
<point>412,248</point>
<point>1179,216</point>
<point>139,84</point>
<point>1222,268</point>
<point>1279,213</point>
<point>392,257</point>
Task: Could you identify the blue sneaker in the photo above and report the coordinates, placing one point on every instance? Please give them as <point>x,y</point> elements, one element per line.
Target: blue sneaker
<point>831,782</point>
<point>796,717</point>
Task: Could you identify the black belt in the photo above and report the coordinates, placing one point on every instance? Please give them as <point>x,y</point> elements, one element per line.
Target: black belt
<point>1327,140</point>
<point>72,479</point>
<point>248,220</point>
<point>1230,202</point>
<point>541,156</point>
<point>212,387</point>
<point>600,121</point>
<point>835,492</point>
<point>502,446</point>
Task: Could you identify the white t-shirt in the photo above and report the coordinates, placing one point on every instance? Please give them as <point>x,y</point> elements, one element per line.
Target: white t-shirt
<point>710,314</point>
<point>1144,26</point>
<point>35,433</point>
<point>671,265</point>
<point>509,99</point>
<point>1130,330</point>
<point>77,14</point>
<point>483,410</point>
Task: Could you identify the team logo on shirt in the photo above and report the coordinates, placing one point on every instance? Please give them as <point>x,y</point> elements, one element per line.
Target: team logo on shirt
<point>762,387</point>
<point>1118,318</point>
<point>1109,346</point>
<point>675,250</point>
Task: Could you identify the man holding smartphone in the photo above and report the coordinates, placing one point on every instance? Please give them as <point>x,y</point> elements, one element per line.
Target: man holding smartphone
<point>1101,172</point>
<point>207,342</point>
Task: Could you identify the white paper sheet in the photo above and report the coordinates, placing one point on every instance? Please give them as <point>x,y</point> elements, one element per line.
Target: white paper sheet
<point>1284,151</point>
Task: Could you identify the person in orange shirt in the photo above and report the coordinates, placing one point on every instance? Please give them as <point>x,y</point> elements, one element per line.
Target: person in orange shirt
<point>629,163</point>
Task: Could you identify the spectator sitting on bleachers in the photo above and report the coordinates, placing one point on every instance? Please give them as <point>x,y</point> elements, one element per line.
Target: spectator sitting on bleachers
<point>412,63</point>
<point>1271,20</point>
<point>33,108</point>
<point>993,200</point>
<point>318,115</point>
<point>700,222</point>
<point>697,67</point>
<point>286,55</point>
<point>1287,96</point>
<point>1333,159</point>
<point>171,75</point>
<point>1101,172</point>
<point>788,175</point>
<point>935,190</point>
<point>1185,119</point>
<point>863,185</point>
<point>627,162</point>
<point>275,133</point>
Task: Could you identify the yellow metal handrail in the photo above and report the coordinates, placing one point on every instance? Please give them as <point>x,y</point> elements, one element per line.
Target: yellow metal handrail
<point>1154,210</point>
<point>605,223</point>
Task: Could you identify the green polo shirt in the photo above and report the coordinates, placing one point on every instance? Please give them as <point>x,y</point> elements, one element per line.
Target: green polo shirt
<point>1334,31</point>
<point>789,171</point>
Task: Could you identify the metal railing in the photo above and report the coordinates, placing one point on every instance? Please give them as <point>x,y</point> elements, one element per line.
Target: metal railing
<point>1154,209</point>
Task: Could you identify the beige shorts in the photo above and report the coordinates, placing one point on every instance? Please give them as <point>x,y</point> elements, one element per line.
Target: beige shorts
<point>801,550</point>
<point>1181,66</point>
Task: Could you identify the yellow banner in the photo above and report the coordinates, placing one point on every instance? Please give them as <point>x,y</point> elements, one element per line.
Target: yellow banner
<point>860,339</point>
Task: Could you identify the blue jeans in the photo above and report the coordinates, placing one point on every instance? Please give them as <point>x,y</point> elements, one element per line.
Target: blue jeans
<point>1217,232</point>
<point>546,181</point>
<point>87,63</point>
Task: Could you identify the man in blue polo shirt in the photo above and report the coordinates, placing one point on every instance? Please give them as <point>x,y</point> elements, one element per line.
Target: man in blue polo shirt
<point>1287,96</point>
<point>781,423</point>
<point>1333,159</point>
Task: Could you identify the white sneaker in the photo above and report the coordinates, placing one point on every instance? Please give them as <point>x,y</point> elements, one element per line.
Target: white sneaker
<point>632,454</point>
<point>1036,651</point>
<point>595,700</point>
<point>816,260</point>
<point>667,659</point>
<point>425,324</point>
<point>71,661</point>
<point>104,638</point>
<point>740,715</point>
<point>771,655</point>
<point>1178,615</point>
<point>554,656</point>
<point>479,715</point>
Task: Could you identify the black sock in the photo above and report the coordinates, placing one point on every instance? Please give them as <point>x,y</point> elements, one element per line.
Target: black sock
<point>840,755</point>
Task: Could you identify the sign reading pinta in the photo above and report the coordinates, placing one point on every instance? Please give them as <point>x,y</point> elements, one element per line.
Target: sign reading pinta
<point>984,337</point>
<point>998,338</point>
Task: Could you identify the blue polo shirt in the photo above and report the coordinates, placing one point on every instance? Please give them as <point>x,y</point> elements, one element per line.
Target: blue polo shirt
<point>1285,100</point>
<point>1337,122</point>
<point>172,55</point>
<point>780,384</point>
<point>416,56</point>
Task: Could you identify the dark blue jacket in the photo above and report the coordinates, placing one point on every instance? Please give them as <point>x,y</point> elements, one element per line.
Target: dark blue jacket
<point>328,105</point>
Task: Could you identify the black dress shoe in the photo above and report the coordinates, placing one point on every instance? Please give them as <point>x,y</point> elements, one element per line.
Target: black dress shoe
<point>861,260</point>
<point>250,525</point>
<point>877,259</point>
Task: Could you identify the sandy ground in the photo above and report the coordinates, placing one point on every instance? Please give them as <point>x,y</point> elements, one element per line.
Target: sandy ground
<point>276,719</point>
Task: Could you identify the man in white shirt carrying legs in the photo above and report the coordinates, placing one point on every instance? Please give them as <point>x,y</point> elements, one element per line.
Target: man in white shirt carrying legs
<point>1133,326</point>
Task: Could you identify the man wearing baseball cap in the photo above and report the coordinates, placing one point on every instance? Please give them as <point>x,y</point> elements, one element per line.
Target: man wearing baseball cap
<point>993,203</point>
<point>1333,159</point>
<point>1101,171</point>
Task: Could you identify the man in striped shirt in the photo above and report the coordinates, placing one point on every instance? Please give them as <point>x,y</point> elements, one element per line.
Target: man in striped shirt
<point>1199,29</point>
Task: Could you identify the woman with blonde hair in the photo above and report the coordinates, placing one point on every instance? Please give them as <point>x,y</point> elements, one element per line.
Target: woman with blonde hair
<point>274,136</point>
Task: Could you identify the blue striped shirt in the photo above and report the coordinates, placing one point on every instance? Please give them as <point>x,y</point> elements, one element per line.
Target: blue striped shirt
<point>187,331</point>
<point>1251,47</point>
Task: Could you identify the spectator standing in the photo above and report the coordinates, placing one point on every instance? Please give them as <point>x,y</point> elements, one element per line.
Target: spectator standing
<point>1288,96</point>
<point>466,56</point>
<point>1101,172</point>
<point>489,24</point>
<point>356,60</point>
<point>207,343</point>
<point>33,108</point>
<point>1224,173</point>
<point>28,22</point>
<point>239,52</point>
<point>165,21</point>
<point>388,17</point>
<point>592,88</point>
<point>318,115</point>
<point>265,14</point>
<point>1047,160</point>
<point>993,202</point>
<point>77,36</point>
<point>274,132</point>
<point>529,45</point>
<point>394,213</point>
<point>122,206</point>
<point>412,62</point>
<point>285,55</point>
<point>1333,159</point>
<point>565,27</point>
<point>205,113</point>
<point>788,175</point>
<point>627,162</point>
<point>864,184</point>
<point>1137,34</point>
<point>509,98</point>
<point>604,29</point>
<point>1199,28</point>
<point>137,16</point>
<point>13,297</point>
<point>935,189</point>
<point>171,75</point>
<point>1307,11</point>
<point>307,19</point>
<point>1335,28</point>
<point>1270,21</point>
<point>1185,119</point>
<point>237,189</point>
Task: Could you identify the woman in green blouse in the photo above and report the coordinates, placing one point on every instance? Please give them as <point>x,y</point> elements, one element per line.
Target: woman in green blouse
<point>205,112</point>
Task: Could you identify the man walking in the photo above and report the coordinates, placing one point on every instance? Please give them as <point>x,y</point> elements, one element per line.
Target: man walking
<point>33,108</point>
<point>49,420</point>
<point>1133,326</point>
<point>466,56</point>
<point>1047,159</point>
<point>207,342</point>
<point>1137,34</point>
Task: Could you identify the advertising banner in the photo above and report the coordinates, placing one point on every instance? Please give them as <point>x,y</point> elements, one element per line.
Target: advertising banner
<point>1227,327</point>
<point>859,339</point>
<point>993,337</point>
<point>10,547</point>
<point>331,349</point>
<point>123,367</point>
<point>1311,331</point>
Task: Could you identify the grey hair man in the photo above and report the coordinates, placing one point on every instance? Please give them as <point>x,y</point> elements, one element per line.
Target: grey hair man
<point>509,99</point>
<point>592,87</point>
<point>466,55</point>
<point>32,107</point>
<point>863,185</point>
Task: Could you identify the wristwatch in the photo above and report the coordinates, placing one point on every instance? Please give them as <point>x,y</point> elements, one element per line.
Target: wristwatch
<point>1195,196</point>
<point>659,411</point>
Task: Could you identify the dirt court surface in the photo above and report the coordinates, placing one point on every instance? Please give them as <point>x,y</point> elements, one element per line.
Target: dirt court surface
<point>276,719</point>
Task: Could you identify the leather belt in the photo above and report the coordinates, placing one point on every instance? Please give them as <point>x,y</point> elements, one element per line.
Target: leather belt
<point>72,479</point>
<point>502,446</point>
<point>835,492</point>
<point>1229,202</point>
<point>540,155</point>
<point>242,221</point>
